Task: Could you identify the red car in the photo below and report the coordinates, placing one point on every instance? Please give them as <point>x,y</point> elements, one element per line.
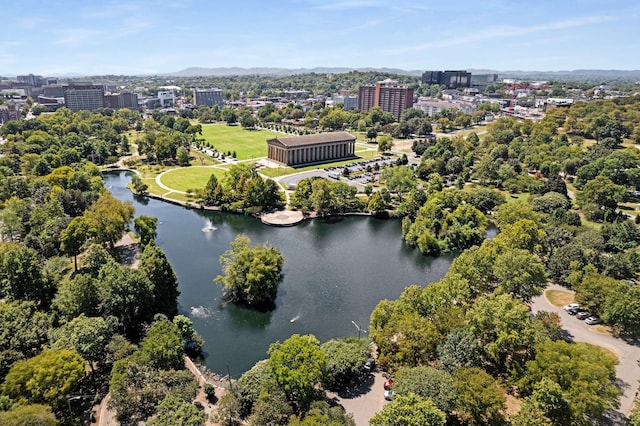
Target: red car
<point>388,384</point>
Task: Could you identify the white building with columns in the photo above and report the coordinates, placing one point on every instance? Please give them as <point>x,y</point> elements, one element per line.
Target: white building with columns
<point>309,149</point>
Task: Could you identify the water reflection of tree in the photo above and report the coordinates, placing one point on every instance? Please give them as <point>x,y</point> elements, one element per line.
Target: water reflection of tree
<point>242,318</point>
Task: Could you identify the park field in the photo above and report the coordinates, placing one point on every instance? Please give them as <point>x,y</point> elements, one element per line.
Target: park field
<point>246,143</point>
<point>190,178</point>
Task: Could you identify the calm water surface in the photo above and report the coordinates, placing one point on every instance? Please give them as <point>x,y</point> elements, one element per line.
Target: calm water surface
<point>334,273</point>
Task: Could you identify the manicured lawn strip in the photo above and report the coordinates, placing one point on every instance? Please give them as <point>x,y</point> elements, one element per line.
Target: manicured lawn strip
<point>186,178</point>
<point>277,172</point>
<point>559,298</point>
<point>246,143</point>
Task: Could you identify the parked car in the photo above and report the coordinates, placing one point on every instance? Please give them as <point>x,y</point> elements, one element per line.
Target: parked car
<point>573,311</point>
<point>593,320</point>
<point>571,306</point>
<point>389,394</point>
<point>388,384</point>
<point>583,315</point>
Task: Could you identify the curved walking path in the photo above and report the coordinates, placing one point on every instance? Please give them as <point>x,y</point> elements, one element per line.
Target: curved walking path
<point>627,371</point>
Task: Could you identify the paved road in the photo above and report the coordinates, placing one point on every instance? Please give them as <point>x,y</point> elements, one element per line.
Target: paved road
<point>627,371</point>
<point>363,401</point>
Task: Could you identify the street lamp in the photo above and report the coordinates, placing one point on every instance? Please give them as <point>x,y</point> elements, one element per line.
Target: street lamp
<point>69,399</point>
<point>359,329</point>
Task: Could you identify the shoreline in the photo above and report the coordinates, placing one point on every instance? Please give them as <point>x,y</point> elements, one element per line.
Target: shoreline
<point>279,218</point>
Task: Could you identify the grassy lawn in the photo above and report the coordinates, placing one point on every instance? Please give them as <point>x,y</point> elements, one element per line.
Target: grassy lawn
<point>201,159</point>
<point>246,143</point>
<point>559,297</point>
<point>186,178</point>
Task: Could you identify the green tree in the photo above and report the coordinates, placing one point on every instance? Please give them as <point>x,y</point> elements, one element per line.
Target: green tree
<point>377,203</point>
<point>73,238</point>
<point>298,365</point>
<point>211,195</point>
<point>108,218</point>
<point>146,228</point>
<point>481,399</point>
<point>21,277</point>
<point>622,308</point>
<point>29,415</point>
<point>126,294</point>
<point>182,156</point>
<point>409,410</point>
<point>23,332</point>
<point>271,408</point>
<point>428,383</point>
<point>460,349</point>
<point>520,274</point>
<point>345,358</point>
<point>251,274</point>
<point>321,414</point>
<point>162,347</point>
<point>502,326</point>
<point>88,336</point>
<point>45,379</point>
<point>603,194</point>
<point>399,180</point>
<point>585,374</point>
<point>76,296</point>
<point>173,410</point>
<point>157,268</point>
<point>248,387</point>
<point>385,143</point>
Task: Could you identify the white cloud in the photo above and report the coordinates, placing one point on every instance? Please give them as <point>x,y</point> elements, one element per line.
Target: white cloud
<point>501,32</point>
<point>347,5</point>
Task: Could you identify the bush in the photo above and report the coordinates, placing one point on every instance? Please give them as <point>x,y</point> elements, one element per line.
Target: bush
<point>210,391</point>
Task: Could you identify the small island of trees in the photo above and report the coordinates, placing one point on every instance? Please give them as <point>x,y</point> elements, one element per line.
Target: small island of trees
<point>251,273</point>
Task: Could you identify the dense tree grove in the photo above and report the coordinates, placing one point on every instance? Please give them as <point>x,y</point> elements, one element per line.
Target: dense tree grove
<point>242,189</point>
<point>64,324</point>
<point>251,273</point>
<point>74,320</point>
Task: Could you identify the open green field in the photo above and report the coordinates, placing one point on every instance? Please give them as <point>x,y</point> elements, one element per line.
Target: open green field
<point>186,178</point>
<point>246,143</point>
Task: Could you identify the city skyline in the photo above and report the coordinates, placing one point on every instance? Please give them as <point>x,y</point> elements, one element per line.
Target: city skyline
<point>164,36</point>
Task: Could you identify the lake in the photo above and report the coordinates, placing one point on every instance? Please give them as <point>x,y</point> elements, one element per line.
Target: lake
<point>335,272</point>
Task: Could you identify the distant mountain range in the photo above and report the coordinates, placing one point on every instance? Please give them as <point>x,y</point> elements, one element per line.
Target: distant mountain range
<point>596,76</point>
<point>225,71</point>
<point>573,75</point>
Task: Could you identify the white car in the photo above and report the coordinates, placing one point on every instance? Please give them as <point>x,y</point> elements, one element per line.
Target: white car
<point>389,394</point>
<point>571,306</point>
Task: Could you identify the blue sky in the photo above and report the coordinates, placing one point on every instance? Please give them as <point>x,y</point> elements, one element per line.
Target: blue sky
<point>97,37</point>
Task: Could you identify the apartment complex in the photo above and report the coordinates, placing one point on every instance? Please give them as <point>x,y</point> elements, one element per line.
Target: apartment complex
<point>208,97</point>
<point>388,95</point>
<point>88,97</point>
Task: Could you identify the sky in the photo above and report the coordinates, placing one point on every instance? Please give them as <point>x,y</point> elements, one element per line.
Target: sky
<point>134,37</point>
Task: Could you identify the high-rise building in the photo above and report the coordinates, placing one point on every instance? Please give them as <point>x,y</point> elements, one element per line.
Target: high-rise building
<point>483,79</point>
<point>122,100</point>
<point>166,97</point>
<point>88,97</point>
<point>208,97</point>
<point>450,79</point>
<point>388,95</point>
<point>33,80</point>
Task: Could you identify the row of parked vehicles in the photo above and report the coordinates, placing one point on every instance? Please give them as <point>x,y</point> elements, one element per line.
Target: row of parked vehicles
<point>574,309</point>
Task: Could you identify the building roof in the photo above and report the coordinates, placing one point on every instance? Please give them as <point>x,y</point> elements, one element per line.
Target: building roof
<point>318,138</point>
